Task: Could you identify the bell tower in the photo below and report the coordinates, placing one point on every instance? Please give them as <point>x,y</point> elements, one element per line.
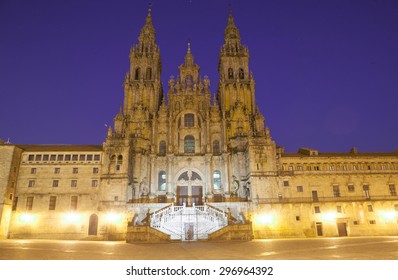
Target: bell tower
<point>142,86</point>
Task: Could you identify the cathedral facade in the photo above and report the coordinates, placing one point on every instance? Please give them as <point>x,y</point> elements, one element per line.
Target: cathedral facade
<point>204,159</point>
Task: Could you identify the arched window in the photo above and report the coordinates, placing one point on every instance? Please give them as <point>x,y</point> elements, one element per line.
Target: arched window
<point>162,181</point>
<point>119,162</point>
<point>189,120</point>
<point>188,81</point>
<point>120,159</point>
<point>241,74</point>
<point>137,74</point>
<point>217,180</point>
<point>148,73</point>
<point>162,147</point>
<point>216,147</point>
<point>230,73</point>
<point>189,144</point>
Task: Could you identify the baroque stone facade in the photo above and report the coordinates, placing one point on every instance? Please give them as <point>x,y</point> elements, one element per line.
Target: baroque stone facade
<point>194,149</point>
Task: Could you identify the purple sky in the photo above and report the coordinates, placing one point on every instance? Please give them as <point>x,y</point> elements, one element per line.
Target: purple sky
<point>326,72</point>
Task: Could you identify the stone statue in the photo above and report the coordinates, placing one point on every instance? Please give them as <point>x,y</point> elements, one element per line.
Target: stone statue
<point>143,187</point>
<point>235,184</point>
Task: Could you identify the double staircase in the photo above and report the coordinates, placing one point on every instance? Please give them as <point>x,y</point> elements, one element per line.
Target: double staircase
<point>188,223</point>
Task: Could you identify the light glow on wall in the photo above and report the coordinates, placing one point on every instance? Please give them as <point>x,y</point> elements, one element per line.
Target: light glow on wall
<point>27,218</point>
<point>265,219</point>
<point>329,217</point>
<point>72,218</point>
<point>114,218</point>
<point>389,215</point>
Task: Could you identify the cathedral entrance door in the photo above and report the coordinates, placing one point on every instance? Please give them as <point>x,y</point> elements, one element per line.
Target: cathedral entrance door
<point>182,195</point>
<point>197,192</point>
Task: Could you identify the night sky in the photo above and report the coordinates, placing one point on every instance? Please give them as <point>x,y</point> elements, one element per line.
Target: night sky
<point>326,72</point>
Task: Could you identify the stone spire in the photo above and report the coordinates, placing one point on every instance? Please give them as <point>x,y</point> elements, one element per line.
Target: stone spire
<point>189,60</point>
<point>148,33</point>
<point>231,32</point>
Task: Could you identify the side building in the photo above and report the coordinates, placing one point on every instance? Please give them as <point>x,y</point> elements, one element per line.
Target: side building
<point>193,165</point>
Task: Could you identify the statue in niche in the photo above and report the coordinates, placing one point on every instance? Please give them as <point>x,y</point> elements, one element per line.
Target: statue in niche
<point>144,187</point>
<point>235,185</point>
<point>246,188</point>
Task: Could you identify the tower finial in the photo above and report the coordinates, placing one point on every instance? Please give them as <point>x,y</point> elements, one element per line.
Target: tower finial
<point>189,46</point>
<point>149,17</point>
<point>230,8</point>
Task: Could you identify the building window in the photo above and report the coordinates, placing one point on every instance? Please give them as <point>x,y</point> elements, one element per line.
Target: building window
<point>82,157</point>
<point>67,157</point>
<point>96,157</point>
<point>46,157</point>
<point>33,170</point>
<point>53,157</point>
<point>31,158</point>
<point>75,170</point>
<point>366,191</point>
<point>336,191</point>
<point>73,202</point>
<point>370,208</point>
<point>117,167</point>
<point>29,203</point>
<point>52,203</point>
<point>285,183</point>
<point>31,183</point>
<point>393,190</point>
<point>189,120</point>
<point>38,157</point>
<point>339,209</point>
<point>217,180</point>
<point>15,203</point>
<point>316,168</point>
<point>345,167</point>
<point>299,168</point>
<point>116,198</point>
<point>137,74</point>
<point>75,157</point>
<point>162,181</point>
<point>148,75</point>
<point>216,147</point>
<point>94,183</point>
<point>230,73</point>
<point>95,170</point>
<point>73,183</point>
<point>57,170</point>
<point>372,222</point>
<point>120,159</point>
<point>356,223</point>
<point>331,168</point>
<point>317,209</point>
<point>10,196</point>
<point>291,168</point>
<point>60,157</point>
<point>299,188</point>
<point>189,144</point>
<point>162,148</point>
<point>351,188</point>
<point>298,218</point>
<point>241,74</point>
<point>55,183</point>
<point>89,157</point>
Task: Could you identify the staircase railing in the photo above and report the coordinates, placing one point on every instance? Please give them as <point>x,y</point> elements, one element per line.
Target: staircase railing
<point>170,220</point>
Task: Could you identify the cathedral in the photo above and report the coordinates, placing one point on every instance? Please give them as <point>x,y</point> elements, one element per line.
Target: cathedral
<point>192,165</point>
